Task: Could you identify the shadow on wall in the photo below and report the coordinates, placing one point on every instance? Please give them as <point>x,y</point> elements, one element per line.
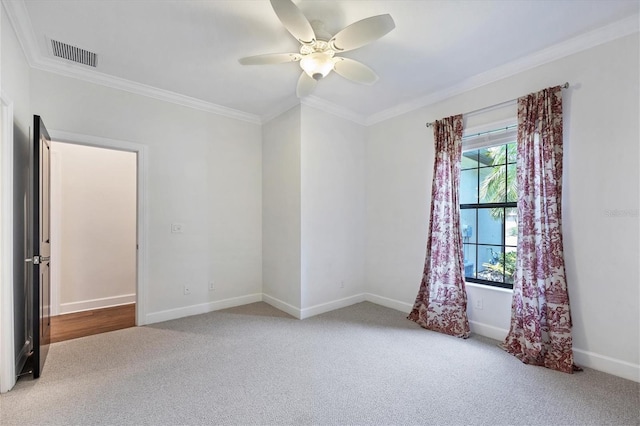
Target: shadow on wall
<point>21,293</point>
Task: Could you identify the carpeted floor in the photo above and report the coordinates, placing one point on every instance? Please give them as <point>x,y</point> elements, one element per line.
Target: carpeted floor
<point>364,364</point>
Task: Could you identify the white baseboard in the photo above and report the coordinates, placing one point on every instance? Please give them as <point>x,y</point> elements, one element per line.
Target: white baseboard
<point>283,306</point>
<point>105,302</point>
<point>312,310</point>
<point>330,306</point>
<point>404,307</point>
<point>202,308</point>
<point>487,330</point>
<point>583,358</point>
<point>606,364</point>
<point>389,303</point>
<point>603,363</point>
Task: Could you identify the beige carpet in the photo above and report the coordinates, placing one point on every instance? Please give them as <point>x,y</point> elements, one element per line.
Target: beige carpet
<point>364,364</point>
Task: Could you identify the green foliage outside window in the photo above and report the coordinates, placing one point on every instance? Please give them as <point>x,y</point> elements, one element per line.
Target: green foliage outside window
<point>493,187</point>
<point>508,262</point>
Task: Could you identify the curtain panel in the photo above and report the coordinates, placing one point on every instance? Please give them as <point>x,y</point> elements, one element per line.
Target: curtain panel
<point>441,304</point>
<point>540,330</point>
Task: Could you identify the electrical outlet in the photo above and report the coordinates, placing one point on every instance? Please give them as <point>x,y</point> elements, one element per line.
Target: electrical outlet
<point>212,286</point>
<point>177,228</point>
<point>478,303</point>
<point>341,284</point>
<point>186,289</point>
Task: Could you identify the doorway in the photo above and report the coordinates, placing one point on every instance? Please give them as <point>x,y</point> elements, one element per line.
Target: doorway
<point>94,240</point>
<point>8,347</point>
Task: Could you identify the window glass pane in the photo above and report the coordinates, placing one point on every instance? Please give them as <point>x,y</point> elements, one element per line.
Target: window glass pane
<point>468,225</point>
<point>490,260</point>
<point>511,227</point>
<point>469,251</point>
<point>490,226</point>
<point>512,184</point>
<point>509,264</point>
<point>469,159</point>
<point>469,186</point>
<point>512,152</point>
<point>492,184</point>
<point>491,156</point>
<point>489,234</point>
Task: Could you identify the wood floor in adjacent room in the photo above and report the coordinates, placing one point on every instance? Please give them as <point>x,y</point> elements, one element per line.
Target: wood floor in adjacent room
<point>86,323</point>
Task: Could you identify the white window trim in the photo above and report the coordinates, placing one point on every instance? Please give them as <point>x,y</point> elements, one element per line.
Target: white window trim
<point>490,139</point>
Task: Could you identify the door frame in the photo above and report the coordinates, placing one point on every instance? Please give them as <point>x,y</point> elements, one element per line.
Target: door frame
<point>7,350</point>
<point>7,344</point>
<point>141,204</point>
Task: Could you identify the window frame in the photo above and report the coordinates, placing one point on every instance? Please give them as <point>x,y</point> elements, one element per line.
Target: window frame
<point>502,137</point>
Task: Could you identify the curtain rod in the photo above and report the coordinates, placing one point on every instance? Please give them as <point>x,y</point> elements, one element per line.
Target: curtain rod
<point>501,129</point>
<point>564,86</point>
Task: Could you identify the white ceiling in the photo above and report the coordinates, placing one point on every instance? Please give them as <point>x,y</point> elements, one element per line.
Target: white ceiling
<point>190,49</point>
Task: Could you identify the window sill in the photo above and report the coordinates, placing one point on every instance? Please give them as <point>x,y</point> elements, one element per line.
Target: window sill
<point>488,287</point>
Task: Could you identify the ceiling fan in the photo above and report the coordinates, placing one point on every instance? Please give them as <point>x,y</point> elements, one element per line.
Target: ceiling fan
<point>318,49</point>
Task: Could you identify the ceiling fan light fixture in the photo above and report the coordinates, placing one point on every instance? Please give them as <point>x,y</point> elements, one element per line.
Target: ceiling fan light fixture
<point>318,47</point>
<point>317,65</point>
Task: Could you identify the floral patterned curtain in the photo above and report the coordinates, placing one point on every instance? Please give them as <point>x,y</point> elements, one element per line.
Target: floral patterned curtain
<point>540,331</point>
<point>441,304</point>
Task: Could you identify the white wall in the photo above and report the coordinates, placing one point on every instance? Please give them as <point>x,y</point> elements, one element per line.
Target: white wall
<point>600,176</point>
<point>93,219</point>
<point>332,168</point>
<point>204,171</point>
<point>281,211</point>
<point>313,212</point>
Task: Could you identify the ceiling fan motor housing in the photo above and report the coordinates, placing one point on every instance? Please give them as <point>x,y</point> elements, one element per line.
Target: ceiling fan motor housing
<point>317,65</point>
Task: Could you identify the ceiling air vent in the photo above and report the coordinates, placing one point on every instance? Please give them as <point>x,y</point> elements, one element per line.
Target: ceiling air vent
<point>73,53</point>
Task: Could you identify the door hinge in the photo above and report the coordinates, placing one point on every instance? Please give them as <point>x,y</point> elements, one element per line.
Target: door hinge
<point>38,259</point>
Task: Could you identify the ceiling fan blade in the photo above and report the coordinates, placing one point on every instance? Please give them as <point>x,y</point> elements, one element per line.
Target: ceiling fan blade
<point>270,58</point>
<point>362,32</point>
<point>294,20</point>
<point>354,70</point>
<point>306,85</point>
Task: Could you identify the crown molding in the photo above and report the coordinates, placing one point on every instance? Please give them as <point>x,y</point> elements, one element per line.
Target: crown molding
<point>19,18</point>
<point>613,31</point>
<point>102,79</point>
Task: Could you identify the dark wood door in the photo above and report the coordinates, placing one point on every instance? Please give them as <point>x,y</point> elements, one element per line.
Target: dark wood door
<point>40,245</point>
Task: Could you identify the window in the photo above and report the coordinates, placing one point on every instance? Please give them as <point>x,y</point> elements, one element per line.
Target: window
<point>489,214</point>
